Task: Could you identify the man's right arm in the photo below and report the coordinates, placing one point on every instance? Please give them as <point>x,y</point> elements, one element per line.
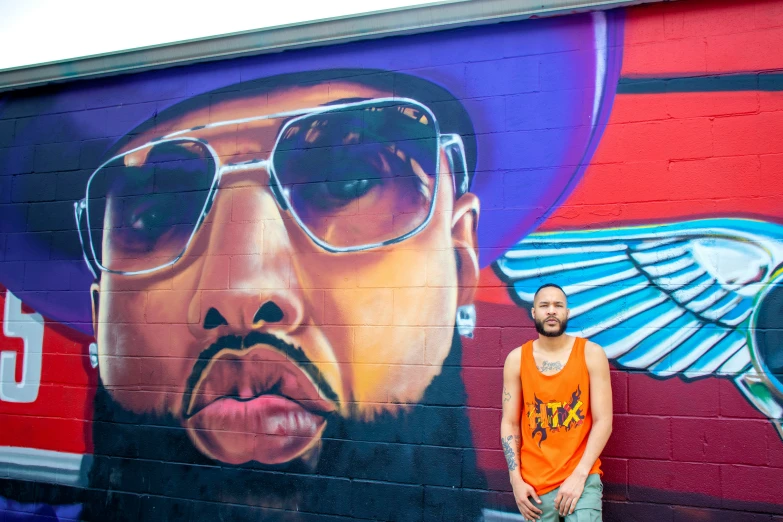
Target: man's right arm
<point>511,439</point>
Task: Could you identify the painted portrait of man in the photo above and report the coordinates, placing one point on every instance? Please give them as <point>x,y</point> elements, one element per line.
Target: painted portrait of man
<point>278,264</point>
<point>282,368</point>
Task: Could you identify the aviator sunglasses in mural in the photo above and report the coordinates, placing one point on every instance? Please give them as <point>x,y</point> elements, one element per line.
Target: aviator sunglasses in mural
<point>353,176</point>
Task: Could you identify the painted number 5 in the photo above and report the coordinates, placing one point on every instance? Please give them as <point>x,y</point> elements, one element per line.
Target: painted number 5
<point>29,328</point>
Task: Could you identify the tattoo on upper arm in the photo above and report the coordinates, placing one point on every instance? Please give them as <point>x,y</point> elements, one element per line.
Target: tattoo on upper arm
<point>506,395</point>
<point>508,451</point>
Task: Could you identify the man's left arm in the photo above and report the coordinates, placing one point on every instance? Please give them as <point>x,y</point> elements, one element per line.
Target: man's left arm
<point>601,409</point>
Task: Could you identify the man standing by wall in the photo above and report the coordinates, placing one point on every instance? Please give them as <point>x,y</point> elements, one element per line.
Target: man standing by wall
<point>557,417</point>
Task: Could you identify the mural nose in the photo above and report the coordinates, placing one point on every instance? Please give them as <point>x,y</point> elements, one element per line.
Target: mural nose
<point>269,313</point>
<point>213,319</point>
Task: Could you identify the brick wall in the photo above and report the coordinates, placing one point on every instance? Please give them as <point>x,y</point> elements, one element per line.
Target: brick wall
<point>250,352</point>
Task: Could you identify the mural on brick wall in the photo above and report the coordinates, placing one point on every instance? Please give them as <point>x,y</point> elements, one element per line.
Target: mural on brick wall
<point>282,287</point>
<point>692,298</point>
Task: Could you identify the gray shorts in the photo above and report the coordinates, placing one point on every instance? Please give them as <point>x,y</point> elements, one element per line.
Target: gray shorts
<point>588,507</point>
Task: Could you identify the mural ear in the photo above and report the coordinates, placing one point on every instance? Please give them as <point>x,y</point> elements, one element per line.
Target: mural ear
<point>463,232</point>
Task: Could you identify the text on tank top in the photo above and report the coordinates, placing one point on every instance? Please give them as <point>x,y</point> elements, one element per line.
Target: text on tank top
<point>555,420</point>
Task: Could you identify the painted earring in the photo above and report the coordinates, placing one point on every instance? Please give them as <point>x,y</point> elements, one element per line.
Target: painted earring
<point>94,355</point>
<point>466,320</point>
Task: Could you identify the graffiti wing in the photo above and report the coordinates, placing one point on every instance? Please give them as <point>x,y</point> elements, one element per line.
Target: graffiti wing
<point>672,298</point>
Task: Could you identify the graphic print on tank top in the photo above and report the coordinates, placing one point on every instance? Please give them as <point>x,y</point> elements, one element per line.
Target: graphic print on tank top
<point>555,420</point>
<point>553,416</point>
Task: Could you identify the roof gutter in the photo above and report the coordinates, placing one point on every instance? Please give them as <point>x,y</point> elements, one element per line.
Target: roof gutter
<point>410,20</point>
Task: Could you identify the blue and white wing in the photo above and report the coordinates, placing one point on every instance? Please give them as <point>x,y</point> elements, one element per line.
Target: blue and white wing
<point>671,299</point>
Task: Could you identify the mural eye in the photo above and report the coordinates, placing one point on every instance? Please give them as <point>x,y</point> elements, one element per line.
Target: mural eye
<point>329,196</point>
<point>147,216</point>
<point>348,190</point>
<point>142,222</point>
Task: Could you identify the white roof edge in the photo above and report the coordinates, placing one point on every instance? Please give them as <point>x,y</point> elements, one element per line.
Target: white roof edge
<point>410,20</point>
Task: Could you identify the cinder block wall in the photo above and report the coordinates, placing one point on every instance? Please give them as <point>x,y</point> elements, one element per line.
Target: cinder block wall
<point>192,332</point>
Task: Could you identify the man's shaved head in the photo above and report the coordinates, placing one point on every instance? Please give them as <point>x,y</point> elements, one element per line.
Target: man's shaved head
<point>548,285</point>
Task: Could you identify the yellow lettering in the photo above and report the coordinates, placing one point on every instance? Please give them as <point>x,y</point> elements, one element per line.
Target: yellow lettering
<point>573,414</point>
<point>553,416</point>
<point>537,417</point>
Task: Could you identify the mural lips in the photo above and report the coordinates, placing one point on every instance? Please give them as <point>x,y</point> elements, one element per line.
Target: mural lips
<point>248,400</point>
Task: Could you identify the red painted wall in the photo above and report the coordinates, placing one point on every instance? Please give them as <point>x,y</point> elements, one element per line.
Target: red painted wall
<point>694,132</point>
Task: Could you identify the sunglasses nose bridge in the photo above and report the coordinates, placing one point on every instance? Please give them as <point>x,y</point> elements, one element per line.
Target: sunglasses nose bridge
<point>229,173</point>
<point>249,170</point>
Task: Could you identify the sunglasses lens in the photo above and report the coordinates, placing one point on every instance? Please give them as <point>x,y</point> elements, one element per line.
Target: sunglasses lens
<point>144,206</point>
<point>360,175</point>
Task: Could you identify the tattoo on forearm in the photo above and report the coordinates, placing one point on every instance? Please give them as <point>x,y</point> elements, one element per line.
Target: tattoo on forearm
<point>547,366</point>
<point>508,451</point>
<point>506,395</point>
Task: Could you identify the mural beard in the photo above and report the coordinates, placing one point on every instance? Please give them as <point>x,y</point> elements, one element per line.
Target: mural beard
<point>152,454</point>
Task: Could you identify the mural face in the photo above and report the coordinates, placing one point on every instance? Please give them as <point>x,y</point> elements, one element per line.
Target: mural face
<point>250,371</point>
<point>283,287</point>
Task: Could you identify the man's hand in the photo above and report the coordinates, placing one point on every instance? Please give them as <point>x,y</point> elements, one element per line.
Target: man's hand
<point>522,494</point>
<point>569,493</point>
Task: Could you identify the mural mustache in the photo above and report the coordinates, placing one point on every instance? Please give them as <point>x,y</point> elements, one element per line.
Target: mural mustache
<point>256,398</point>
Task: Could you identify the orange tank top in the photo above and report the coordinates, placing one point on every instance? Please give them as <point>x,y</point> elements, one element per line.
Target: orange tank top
<point>555,420</point>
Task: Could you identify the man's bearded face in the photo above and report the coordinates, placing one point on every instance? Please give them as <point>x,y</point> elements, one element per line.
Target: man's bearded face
<point>257,339</point>
<point>551,327</point>
<point>550,312</point>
